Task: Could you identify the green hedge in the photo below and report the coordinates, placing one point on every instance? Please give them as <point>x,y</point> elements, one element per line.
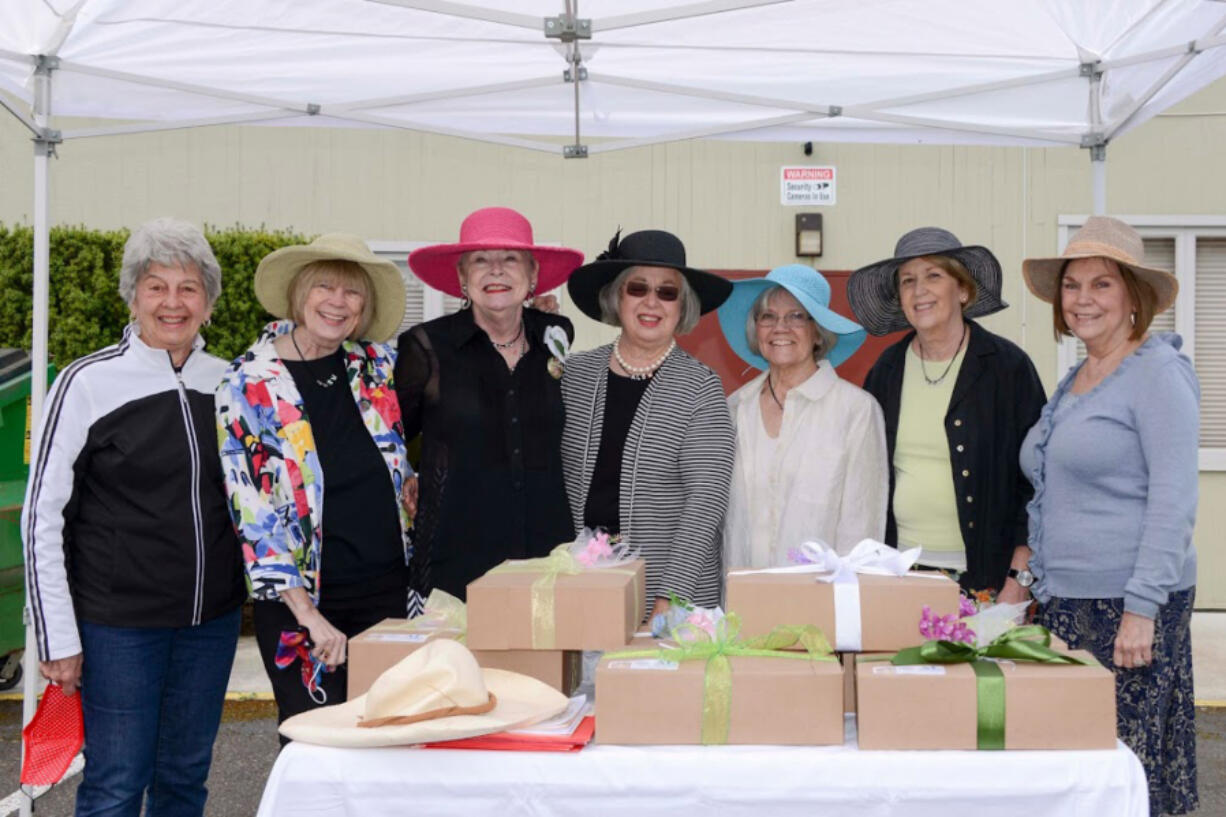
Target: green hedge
<point>86,310</point>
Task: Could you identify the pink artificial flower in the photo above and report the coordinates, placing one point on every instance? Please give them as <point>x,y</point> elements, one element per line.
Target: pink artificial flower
<point>944,628</point>
<point>702,619</point>
<point>798,557</point>
<point>597,548</point>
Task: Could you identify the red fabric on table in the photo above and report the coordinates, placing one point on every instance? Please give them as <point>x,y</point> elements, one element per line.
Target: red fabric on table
<point>509,742</point>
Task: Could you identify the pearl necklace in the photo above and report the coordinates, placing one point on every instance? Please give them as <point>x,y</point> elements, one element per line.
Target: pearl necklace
<point>641,372</point>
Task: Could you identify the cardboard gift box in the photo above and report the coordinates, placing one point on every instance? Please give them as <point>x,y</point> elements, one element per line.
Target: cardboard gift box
<point>510,608</point>
<point>375,650</point>
<point>646,699</point>
<point>946,706</point>
<point>884,609</point>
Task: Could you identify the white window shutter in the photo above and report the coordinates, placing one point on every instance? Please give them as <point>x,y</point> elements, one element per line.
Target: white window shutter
<point>1211,339</point>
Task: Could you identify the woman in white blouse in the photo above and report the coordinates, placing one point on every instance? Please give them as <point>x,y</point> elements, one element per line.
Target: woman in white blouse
<point>810,446</point>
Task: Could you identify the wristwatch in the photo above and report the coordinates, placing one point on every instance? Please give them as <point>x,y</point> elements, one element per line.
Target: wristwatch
<point>1023,577</point>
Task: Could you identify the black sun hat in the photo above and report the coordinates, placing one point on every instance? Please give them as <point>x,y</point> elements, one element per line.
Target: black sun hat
<point>646,248</point>
<point>873,290</point>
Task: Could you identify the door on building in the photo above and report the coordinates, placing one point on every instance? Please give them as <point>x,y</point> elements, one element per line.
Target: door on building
<point>707,342</point>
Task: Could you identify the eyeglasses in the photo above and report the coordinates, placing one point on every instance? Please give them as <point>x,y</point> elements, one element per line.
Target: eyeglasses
<point>769,320</point>
<point>665,292</point>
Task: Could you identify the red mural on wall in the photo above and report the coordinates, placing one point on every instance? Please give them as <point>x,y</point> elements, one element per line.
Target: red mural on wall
<point>707,342</point>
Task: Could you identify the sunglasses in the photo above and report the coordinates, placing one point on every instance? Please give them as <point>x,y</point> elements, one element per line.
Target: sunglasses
<point>665,292</point>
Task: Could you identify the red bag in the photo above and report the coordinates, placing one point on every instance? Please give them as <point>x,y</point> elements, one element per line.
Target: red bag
<point>52,737</point>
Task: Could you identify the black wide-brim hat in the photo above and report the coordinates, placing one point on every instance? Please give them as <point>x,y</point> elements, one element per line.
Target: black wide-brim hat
<point>872,291</point>
<point>646,248</point>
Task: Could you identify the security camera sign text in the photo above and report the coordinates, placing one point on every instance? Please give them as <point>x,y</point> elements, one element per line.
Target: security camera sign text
<point>802,186</point>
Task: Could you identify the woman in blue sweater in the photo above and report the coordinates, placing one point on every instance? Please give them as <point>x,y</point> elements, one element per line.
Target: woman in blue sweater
<point>1113,461</point>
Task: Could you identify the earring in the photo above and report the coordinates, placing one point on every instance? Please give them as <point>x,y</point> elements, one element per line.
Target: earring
<point>208,322</point>
<point>531,295</point>
<point>465,302</point>
<point>1132,318</point>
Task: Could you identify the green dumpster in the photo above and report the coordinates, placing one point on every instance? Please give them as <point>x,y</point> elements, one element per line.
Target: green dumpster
<point>14,469</point>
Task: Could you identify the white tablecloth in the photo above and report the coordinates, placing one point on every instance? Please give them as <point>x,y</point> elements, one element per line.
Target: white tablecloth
<point>756,781</point>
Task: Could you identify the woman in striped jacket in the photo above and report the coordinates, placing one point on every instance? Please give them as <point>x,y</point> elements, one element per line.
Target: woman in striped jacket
<point>648,444</point>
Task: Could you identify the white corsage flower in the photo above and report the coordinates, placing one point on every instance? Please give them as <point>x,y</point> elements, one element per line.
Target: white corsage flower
<point>559,347</point>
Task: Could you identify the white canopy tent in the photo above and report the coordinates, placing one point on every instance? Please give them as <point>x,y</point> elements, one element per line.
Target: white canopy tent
<point>557,76</point>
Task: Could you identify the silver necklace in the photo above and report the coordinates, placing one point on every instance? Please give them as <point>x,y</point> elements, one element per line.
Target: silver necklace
<point>641,372</point>
<point>519,334</point>
<point>950,365</point>
<point>323,384</point>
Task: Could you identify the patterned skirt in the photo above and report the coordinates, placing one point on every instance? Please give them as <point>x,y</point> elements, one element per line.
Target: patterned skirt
<point>1155,710</point>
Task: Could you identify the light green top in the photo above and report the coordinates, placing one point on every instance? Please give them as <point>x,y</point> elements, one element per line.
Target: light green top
<point>925,507</point>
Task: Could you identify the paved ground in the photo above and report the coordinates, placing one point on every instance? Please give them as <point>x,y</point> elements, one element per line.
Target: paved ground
<point>247,748</point>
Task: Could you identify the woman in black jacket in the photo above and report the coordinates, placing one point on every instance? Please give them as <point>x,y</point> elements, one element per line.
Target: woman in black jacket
<point>958,401</point>
<point>481,387</point>
<point>133,570</point>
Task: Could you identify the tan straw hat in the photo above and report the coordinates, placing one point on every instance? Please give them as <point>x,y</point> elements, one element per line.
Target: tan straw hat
<point>277,270</point>
<point>437,693</point>
<point>1101,237</point>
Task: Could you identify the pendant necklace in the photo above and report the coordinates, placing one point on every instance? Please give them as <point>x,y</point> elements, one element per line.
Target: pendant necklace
<point>641,372</point>
<point>950,365</point>
<point>323,384</point>
<point>771,386</point>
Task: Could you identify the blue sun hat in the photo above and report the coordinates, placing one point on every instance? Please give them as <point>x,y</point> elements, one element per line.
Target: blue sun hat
<point>807,286</point>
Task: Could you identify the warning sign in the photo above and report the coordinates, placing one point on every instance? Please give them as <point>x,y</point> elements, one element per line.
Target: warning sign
<point>802,186</point>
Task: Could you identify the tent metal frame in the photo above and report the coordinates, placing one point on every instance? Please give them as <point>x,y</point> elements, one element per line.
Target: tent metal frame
<point>569,29</point>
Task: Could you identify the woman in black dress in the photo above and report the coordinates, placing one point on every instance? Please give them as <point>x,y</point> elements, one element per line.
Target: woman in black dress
<point>481,387</point>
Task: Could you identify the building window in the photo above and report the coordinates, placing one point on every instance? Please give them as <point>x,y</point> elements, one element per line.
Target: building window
<point>421,302</point>
<point>1194,248</point>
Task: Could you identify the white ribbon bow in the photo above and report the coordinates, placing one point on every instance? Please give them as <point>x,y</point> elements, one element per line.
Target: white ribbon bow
<point>869,557</point>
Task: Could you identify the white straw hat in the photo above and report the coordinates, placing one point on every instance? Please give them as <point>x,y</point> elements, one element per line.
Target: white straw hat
<point>277,270</point>
<point>437,693</point>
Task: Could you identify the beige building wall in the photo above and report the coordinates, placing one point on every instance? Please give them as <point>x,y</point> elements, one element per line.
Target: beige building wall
<point>721,197</point>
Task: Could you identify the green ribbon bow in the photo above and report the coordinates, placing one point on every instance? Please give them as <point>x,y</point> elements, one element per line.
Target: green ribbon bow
<point>443,612</point>
<point>1028,643</point>
<point>695,644</point>
<point>559,562</point>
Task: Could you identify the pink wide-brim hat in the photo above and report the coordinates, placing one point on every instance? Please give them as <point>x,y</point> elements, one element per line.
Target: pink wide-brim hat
<point>492,228</point>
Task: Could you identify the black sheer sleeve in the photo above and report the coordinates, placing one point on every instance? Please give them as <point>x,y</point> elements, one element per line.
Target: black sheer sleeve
<point>416,378</point>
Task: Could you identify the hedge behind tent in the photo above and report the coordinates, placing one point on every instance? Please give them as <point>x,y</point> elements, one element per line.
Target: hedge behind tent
<point>86,310</point>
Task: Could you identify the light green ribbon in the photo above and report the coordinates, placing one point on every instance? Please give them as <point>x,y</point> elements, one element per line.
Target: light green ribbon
<point>559,562</point>
<point>442,612</point>
<point>1028,643</point>
<point>697,645</point>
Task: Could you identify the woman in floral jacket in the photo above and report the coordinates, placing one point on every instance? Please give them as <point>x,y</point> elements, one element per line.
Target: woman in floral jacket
<point>325,558</point>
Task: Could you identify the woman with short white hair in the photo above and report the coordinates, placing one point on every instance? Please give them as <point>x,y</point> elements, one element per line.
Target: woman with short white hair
<point>133,570</point>
<point>811,462</point>
<point>647,447</point>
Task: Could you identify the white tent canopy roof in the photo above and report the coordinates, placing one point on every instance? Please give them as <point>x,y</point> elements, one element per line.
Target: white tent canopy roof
<point>948,71</point>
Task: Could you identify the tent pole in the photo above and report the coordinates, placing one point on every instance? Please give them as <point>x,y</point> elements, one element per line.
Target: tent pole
<point>44,147</point>
<point>1098,179</point>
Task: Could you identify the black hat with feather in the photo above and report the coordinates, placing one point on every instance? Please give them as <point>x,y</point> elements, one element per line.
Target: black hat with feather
<point>646,248</point>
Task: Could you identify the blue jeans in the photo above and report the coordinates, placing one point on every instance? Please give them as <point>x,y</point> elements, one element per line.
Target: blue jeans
<point>152,698</point>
